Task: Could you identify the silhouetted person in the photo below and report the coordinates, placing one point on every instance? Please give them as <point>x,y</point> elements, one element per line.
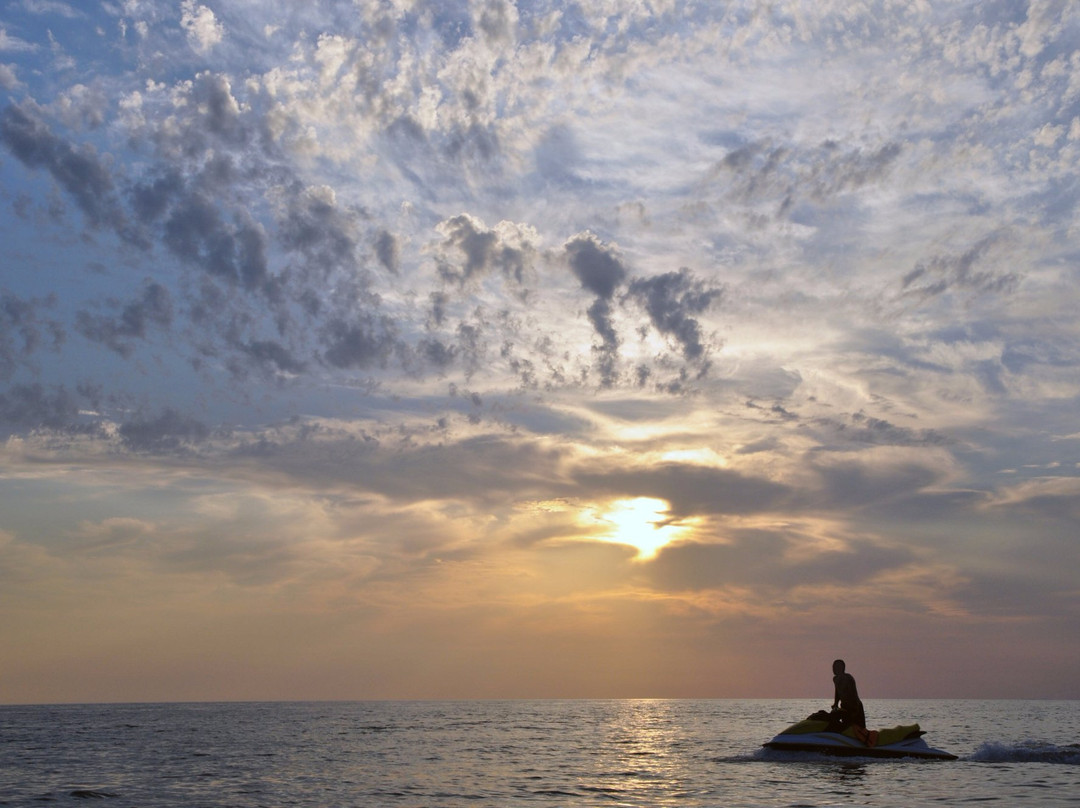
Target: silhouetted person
<point>847,697</point>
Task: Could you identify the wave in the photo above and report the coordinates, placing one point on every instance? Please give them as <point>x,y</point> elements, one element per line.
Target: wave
<point>1027,752</point>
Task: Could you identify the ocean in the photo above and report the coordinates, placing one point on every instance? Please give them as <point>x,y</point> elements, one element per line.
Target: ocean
<point>686,753</point>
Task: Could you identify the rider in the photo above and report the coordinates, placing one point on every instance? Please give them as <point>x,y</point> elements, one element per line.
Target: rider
<point>847,697</point>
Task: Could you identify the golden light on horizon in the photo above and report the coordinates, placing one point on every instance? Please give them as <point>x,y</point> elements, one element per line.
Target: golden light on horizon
<point>642,523</point>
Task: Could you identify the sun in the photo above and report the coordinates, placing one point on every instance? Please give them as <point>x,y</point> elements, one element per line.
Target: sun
<point>644,523</point>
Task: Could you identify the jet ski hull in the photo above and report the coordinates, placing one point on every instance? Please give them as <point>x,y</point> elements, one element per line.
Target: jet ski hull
<point>833,743</point>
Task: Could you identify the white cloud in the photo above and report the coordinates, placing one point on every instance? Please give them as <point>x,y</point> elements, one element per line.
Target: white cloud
<point>51,7</point>
<point>8,79</point>
<point>1048,135</point>
<point>12,44</point>
<point>203,29</point>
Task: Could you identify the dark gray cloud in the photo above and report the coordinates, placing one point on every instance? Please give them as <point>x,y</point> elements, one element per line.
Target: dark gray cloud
<point>755,172</point>
<point>198,232</point>
<point>862,483</point>
<point>79,171</point>
<point>433,352</point>
<point>152,197</point>
<point>320,230</point>
<point>498,21</point>
<point>775,412</point>
<point>1045,501</point>
<point>937,275</point>
<point>875,341</point>
<point>837,171</point>
<point>1054,351</point>
<point>33,406</point>
<point>365,342</point>
<point>860,428</point>
<point>485,469</point>
<point>597,266</point>
<point>600,272</point>
<point>489,469</point>
<point>763,559</point>
<point>153,308</point>
<point>439,302</point>
<point>691,490</point>
<point>24,329</point>
<point>268,358</point>
<point>196,228</point>
<point>476,243</point>
<point>477,142</point>
<point>218,113</point>
<point>483,250</point>
<point>672,300</point>
<point>388,251</point>
<point>762,171</point>
<point>607,352</point>
<point>169,432</point>
<point>912,507</point>
<point>471,346</point>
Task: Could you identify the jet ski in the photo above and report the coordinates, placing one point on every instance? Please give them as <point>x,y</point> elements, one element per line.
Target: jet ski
<point>822,733</point>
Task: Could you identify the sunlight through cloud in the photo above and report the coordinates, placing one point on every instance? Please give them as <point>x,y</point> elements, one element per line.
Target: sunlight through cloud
<point>642,523</point>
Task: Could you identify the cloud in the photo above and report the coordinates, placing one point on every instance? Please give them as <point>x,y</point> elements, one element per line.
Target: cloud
<point>150,198</point>
<point>942,273</point>
<point>876,476</point>
<point>402,272</point>
<point>437,353</point>
<point>600,272</point>
<point>269,358</point>
<point>508,248</point>
<point>32,406</point>
<point>197,231</point>
<point>843,171</point>
<point>859,428</point>
<point>153,308</point>
<point>497,20</point>
<point>203,29</point>
<point>81,107</point>
<point>491,470</point>
<point>316,227</point>
<point>112,534</point>
<point>168,433</point>
<point>79,171</point>
<point>51,7</point>
<point>363,342</point>
<point>13,44</point>
<point>388,251</point>
<point>691,490</point>
<point>766,171</point>
<point>670,300</point>
<point>214,108</point>
<point>9,80</point>
<point>23,330</point>
<point>597,266</point>
<point>1053,498</point>
<point>772,560</point>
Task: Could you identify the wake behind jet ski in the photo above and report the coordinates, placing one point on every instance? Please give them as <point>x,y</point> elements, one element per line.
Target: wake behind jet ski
<point>824,733</point>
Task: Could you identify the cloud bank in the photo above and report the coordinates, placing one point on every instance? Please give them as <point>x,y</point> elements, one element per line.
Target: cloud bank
<point>355,325</point>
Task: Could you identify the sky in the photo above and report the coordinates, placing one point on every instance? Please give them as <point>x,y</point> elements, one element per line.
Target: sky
<point>422,349</point>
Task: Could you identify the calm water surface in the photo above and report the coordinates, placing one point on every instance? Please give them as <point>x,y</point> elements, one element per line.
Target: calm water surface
<point>530,753</point>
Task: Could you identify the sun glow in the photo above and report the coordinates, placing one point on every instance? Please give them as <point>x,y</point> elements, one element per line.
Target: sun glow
<point>644,523</point>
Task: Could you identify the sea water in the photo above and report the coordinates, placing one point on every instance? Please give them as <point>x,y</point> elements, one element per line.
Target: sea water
<point>687,753</point>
